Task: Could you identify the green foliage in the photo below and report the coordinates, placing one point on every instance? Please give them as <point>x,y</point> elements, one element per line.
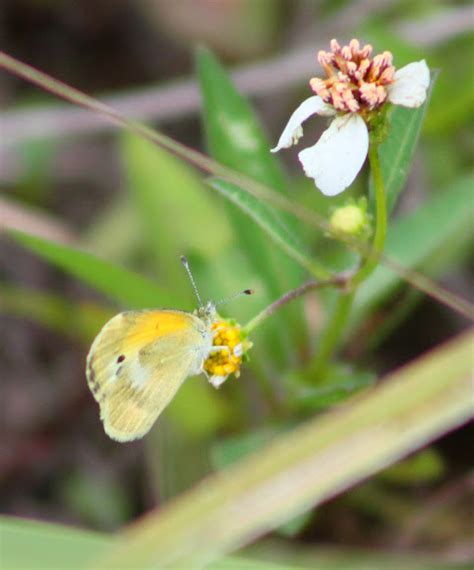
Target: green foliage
<point>165,189</point>
<point>29,545</point>
<point>235,139</point>
<point>417,239</point>
<point>396,153</point>
<point>271,224</point>
<point>121,285</point>
<point>306,466</point>
<point>54,312</point>
<point>57,547</point>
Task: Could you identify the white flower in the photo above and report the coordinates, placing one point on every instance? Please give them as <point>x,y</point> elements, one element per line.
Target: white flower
<point>356,86</point>
<point>410,84</point>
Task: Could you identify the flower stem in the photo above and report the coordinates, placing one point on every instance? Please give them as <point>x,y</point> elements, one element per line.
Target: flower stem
<point>378,243</point>
<point>333,332</point>
<point>336,281</point>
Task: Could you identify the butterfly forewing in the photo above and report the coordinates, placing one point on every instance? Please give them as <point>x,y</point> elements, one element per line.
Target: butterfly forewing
<point>137,363</point>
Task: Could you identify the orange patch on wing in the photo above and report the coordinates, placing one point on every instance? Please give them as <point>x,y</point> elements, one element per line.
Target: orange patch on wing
<point>155,324</point>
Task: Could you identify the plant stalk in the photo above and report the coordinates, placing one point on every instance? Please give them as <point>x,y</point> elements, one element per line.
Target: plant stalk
<point>288,297</point>
<point>378,244</point>
<point>334,330</point>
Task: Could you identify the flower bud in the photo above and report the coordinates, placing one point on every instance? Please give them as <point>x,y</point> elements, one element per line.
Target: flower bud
<point>352,219</point>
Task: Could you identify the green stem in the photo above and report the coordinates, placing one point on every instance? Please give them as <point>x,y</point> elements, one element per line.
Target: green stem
<point>333,332</point>
<point>378,243</point>
<point>335,281</point>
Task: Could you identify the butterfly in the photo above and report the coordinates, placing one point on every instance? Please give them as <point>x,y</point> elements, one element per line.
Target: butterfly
<point>139,359</point>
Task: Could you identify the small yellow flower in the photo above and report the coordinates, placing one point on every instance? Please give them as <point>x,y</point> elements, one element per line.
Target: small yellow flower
<point>229,346</point>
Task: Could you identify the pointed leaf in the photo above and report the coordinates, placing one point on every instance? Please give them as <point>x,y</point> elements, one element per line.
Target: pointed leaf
<point>176,212</point>
<point>397,151</point>
<point>125,287</point>
<point>236,139</point>
<point>274,227</point>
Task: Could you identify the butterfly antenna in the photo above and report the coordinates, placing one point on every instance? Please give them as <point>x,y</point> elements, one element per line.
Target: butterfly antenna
<point>239,294</point>
<point>185,262</point>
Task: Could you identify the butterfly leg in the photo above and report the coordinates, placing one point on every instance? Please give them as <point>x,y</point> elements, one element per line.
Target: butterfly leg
<point>218,348</point>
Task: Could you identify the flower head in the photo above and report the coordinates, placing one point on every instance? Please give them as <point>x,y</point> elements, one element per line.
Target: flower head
<point>355,88</point>
<point>229,348</point>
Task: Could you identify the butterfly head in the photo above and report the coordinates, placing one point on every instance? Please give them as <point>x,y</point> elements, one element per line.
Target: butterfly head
<point>207,312</point>
<point>228,343</point>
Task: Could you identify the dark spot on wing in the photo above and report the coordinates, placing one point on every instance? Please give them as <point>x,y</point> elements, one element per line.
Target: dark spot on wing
<point>121,358</point>
<point>93,384</point>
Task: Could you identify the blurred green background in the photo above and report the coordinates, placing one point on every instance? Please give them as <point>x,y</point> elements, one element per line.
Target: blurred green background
<point>72,178</point>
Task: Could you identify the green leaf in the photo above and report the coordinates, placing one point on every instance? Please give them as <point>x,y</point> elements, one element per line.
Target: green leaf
<point>425,467</point>
<point>123,286</point>
<point>236,140</point>
<point>230,450</point>
<point>102,237</point>
<point>101,499</point>
<point>177,214</point>
<point>397,151</point>
<point>32,545</point>
<point>54,312</point>
<point>415,239</point>
<point>29,545</point>
<point>310,464</point>
<point>265,217</point>
<point>340,382</point>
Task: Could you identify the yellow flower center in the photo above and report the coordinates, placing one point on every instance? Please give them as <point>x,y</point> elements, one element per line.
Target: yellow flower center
<point>355,81</point>
<point>228,359</point>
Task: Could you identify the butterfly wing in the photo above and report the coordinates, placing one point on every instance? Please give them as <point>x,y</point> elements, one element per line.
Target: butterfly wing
<point>137,363</point>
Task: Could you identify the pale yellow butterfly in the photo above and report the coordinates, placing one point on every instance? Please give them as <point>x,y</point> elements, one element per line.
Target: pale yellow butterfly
<point>140,358</point>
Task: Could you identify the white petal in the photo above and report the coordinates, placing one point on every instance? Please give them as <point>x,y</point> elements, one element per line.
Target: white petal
<point>217,380</point>
<point>335,160</point>
<point>293,130</point>
<point>238,350</point>
<point>410,85</point>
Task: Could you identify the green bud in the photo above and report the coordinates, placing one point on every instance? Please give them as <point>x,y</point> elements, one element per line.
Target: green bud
<point>352,219</point>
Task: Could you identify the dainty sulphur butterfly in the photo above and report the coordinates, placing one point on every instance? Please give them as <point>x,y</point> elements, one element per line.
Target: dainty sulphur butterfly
<point>139,359</point>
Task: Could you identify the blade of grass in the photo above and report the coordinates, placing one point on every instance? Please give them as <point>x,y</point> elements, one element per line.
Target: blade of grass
<point>54,312</point>
<point>272,225</point>
<point>307,466</point>
<point>32,545</point>
<point>123,286</point>
<point>101,235</point>
<point>236,140</point>
<point>56,547</point>
<point>172,202</point>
